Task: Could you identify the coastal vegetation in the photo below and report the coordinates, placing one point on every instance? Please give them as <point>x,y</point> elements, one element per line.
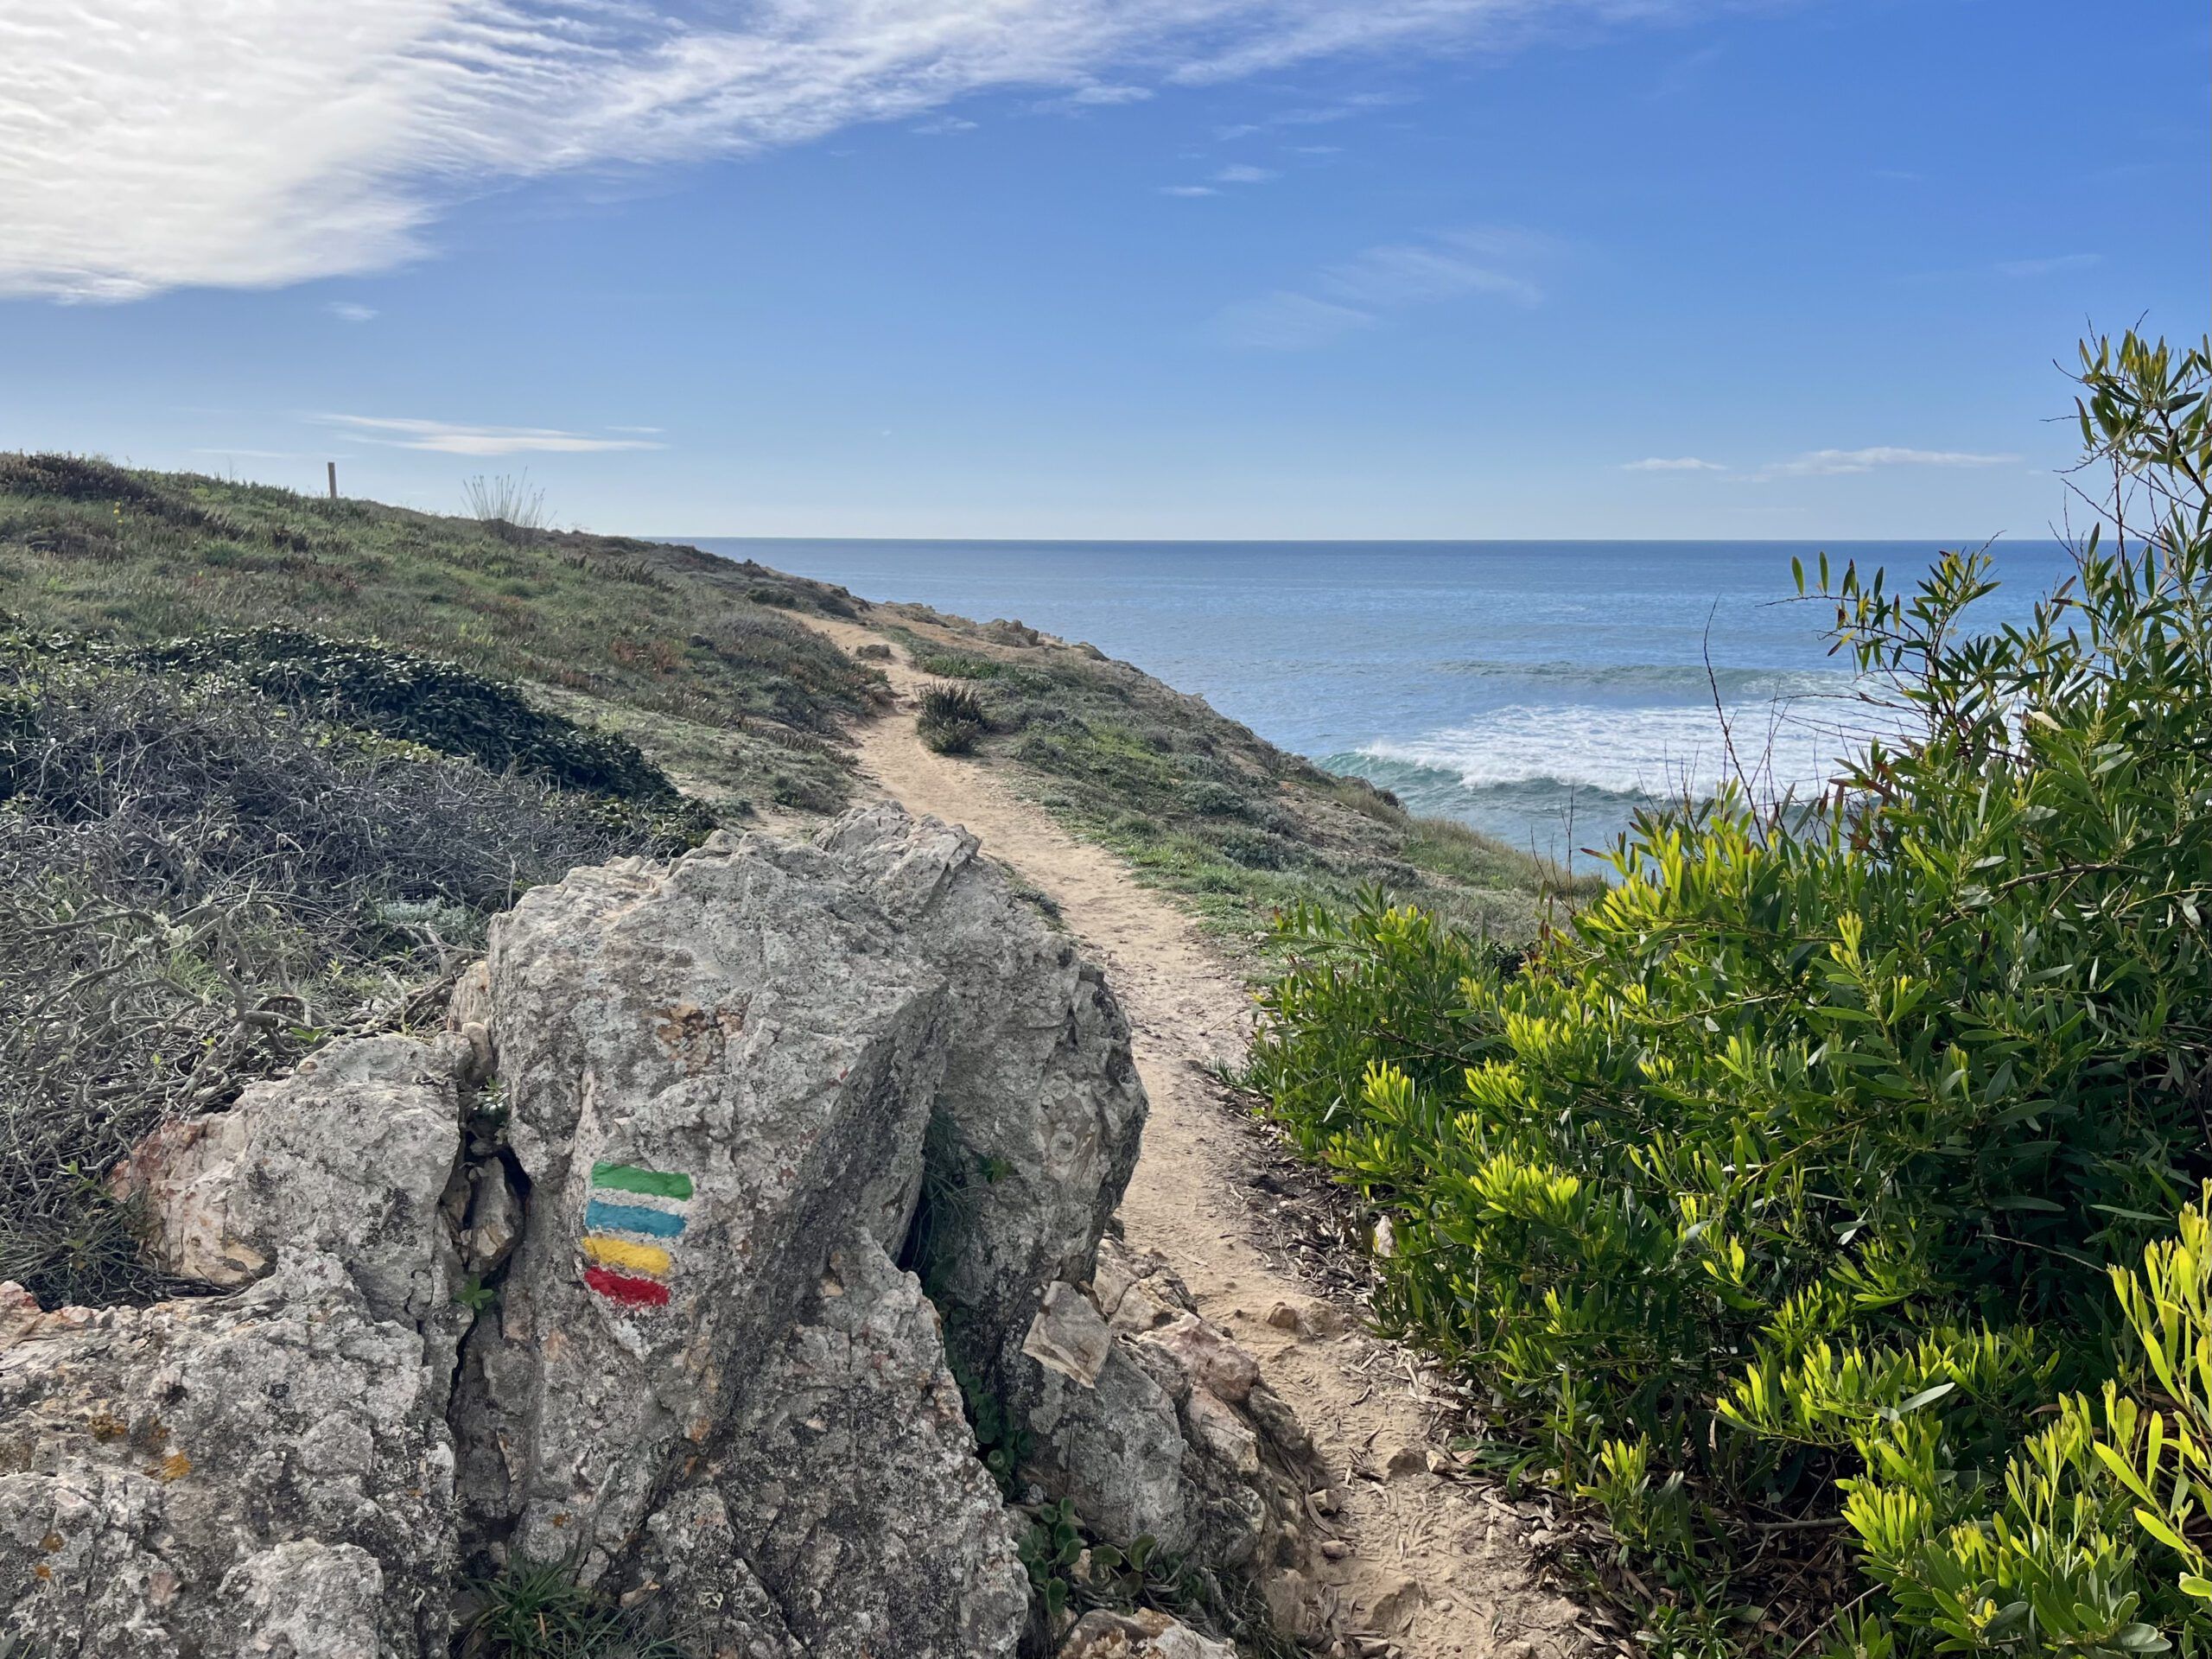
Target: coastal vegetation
<point>202,878</point>
<point>704,662</point>
<point>1824,1204</point>
<point>269,763</point>
<point>1199,806</point>
<point>710,667</point>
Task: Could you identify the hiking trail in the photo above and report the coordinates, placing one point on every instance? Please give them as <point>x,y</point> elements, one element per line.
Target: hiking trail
<point>1434,1564</point>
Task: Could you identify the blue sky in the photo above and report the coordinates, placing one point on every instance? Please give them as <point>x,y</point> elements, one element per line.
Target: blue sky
<point>1106,268</point>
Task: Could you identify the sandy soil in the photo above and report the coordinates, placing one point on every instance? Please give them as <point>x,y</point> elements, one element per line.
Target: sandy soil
<point>1432,1562</point>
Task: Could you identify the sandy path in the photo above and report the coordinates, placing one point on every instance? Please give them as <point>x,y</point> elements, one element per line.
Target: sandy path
<point>1436,1564</point>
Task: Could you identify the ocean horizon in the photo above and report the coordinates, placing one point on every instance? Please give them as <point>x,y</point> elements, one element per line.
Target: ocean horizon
<point>1541,691</point>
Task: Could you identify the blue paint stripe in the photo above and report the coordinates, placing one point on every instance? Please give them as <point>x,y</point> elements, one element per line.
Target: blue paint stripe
<point>632,1218</point>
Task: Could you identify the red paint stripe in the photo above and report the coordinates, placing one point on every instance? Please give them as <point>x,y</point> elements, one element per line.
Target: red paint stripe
<point>621,1287</point>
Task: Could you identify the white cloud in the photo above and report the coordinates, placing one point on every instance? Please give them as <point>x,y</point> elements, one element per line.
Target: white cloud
<point>939,125</point>
<point>1243,173</point>
<point>350,311</point>
<point>449,438</point>
<point>1456,263</point>
<point>1828,463</point>
<point>1355,294</point>
<point>1677,464</point>
<point>146,144</point>
<point>1284,322</point>
<point>1188,190</point>
<point>1108,94</point>
<point>2045,267</point>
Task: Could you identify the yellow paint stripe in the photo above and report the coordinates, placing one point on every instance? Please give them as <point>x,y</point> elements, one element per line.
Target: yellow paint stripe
<point>630,1258</point>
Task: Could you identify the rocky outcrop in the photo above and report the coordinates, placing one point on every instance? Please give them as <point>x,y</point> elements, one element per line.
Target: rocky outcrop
<point>741,1185</point>
<point>267,1473</point>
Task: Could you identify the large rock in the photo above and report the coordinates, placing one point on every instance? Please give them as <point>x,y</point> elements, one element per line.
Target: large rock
<point>266,1473</point>
<point>855,1432</point>
<point>349,1157</point>
<point>694,1128</point>
<point>1038,1114</point>
<point>1036,1131</point>
<point>710,1072</point>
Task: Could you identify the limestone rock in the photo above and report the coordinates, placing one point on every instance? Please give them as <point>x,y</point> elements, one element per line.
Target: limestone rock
<point>853,1486</point>
<point>1069,1336</point>
<point>1178,1438</point>
<point>688,1560</point>
<point>708,1070</point>
<point>347,1157</point>
<point>1104,1634</point>
<point>692,1127</point>
<point>1038,1114</point>
<point>267,1473</point>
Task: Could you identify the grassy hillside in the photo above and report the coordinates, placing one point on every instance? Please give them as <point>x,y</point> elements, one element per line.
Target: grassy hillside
<point>1198,803</point>
<point>708,665</point>
<point>698,659</point>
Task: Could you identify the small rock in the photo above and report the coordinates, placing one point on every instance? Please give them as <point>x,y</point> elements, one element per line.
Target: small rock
<point>1067,1336</point>
<point>1284,1317</point>
<point>1405,1460</point>
<point>1394,1610</point>
<point>495,1218</point>
<point>1143,1635</point>
<point>1335,1548</point>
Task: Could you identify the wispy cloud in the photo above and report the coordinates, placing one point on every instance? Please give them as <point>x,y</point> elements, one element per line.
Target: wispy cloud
<point>1236,173</point>
<point>1829,463</point>
<point>937,126</point>
<point>1492,262</point>
<point>1314,115</point>
<point>453,438</point>
<point>1104,94</point>
<point>145,146</point>
<point>1284,322</point>
<point>2045,267</point>
<point>350,311</point>
<point>2014,269</point>
<point>1822,463</point>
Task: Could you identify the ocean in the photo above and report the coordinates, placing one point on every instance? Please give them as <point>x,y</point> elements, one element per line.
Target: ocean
<point>1539,691</point>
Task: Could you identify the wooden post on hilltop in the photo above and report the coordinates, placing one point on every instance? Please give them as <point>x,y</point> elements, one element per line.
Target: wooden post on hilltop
<point>333,481</point>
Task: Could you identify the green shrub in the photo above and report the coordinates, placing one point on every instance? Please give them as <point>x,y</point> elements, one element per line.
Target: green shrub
<point>2098,1543</point>
<point>1209,800</point>
<point>959,666</point>
<point>951,720</point>
<point>1785,1178</point>
<point>421,699</point>
<point>197,887</point>
<point>536,1610</point>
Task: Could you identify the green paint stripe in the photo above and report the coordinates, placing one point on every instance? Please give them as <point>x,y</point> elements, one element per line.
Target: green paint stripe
<point>629,1177</point>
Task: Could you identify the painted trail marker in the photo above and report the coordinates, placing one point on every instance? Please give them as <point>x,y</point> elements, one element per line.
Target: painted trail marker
<point>632,1214</point>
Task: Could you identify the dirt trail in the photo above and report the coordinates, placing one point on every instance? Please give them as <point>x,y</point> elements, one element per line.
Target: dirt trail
<point>1435,1563</point>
